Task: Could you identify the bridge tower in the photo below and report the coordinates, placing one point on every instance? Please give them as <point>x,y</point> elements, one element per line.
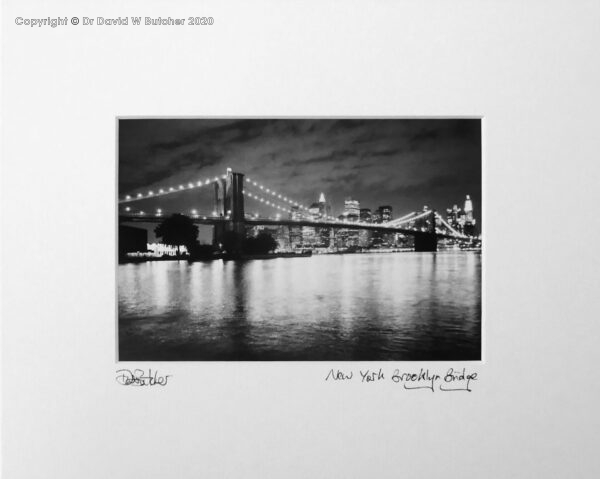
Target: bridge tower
<point>229,205</point>
<point>427,240</point>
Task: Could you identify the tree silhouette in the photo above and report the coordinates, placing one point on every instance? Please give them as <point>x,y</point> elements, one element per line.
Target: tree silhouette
<point>201,251</point>
<point>263,243</point>
<point>231,242</point>
<point>177,230</point>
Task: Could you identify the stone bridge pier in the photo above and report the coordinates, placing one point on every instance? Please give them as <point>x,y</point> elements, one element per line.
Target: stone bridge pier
<point>229,205</point>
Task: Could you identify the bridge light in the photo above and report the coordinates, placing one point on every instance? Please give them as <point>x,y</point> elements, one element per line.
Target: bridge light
<point>268,190</point>
<point>190,185</point>
<point>127,209</point>
<point>181,187</point>
<point>284,198</point>
<point>128,197</point>
<point>279,196</point>
<point>171,189</point>
<point>261,187</point>
<point>139,195</point>
<point>141,212</point>
<point>207,182</point>
<point>199,183</point>
<point>273,193</point>
<point>262,201</point>
<point>161,191</point>
<point>150,193</point>
<point>254,183</point>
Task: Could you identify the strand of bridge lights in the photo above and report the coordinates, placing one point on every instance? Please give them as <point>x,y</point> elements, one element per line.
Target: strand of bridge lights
<point>167,191</point>
<point>266,202</point>
<point>159,212</point>
<point>406,219</point>
<point>275,194</point>
<point>447,225</point>
<point>281,208</point>
<point>280,197</point>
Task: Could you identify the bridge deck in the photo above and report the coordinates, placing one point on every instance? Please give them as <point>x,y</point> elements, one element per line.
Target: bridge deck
<point>208,220</point>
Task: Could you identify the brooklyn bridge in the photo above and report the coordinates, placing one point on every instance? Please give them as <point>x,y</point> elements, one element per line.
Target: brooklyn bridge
<point>228,213</point>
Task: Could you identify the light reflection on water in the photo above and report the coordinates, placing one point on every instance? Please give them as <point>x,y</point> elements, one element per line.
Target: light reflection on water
<point>405,306</point>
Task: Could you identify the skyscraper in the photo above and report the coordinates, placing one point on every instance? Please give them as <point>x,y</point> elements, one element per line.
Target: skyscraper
<point>318,237</point>
<point>462,220</point>
<point>455,217</point>
<point>469,226</point>
<point>351,208</point>
<point>365,215</point>
<point>385,213</point>
<point>365,236</point>
<point>469,208</point>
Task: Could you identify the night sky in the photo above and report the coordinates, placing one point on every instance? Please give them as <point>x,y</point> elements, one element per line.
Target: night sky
<point>403,163</point>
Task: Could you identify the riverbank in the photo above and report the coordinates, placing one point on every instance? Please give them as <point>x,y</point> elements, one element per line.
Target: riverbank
<point>225,257</point>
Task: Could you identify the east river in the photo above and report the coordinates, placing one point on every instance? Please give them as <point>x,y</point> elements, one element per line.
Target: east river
<point>386,306</point>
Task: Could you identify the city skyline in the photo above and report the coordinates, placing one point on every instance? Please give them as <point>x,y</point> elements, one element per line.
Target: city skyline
<point>406,164</point>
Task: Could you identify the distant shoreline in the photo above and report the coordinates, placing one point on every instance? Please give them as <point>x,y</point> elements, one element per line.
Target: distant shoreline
<point>279,255</point>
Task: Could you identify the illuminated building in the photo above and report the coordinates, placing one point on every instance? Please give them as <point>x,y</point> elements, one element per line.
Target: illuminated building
<point>462,220</point>
<point>365,215</point>
<point>365,236</point>
<point>346,238</point>
<point>351,207</point>
<point>469,228</point>
<point>385,213</point>
<point>159,249</point>
<point>316,237</point>
<point>453,217</point>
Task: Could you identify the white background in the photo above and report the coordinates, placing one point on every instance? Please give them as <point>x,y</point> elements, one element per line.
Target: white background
<point>530,68</point>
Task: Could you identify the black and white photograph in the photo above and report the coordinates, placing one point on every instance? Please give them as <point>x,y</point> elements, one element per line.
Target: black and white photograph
<point>299,239</point>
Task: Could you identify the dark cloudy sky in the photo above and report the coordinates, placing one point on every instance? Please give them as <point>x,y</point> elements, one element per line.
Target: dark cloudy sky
<point>404,163</point>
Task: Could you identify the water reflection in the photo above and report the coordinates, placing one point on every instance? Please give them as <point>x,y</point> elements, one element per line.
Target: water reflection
<point>410,306</point>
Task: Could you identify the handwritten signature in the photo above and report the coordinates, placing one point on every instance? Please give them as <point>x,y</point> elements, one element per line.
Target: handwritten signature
<point>138,377</point>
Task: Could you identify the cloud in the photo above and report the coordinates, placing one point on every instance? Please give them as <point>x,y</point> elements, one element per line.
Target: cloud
<point>406,163</point>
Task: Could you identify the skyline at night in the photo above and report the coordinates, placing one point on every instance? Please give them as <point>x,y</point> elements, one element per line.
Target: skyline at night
<point>406,164</point>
